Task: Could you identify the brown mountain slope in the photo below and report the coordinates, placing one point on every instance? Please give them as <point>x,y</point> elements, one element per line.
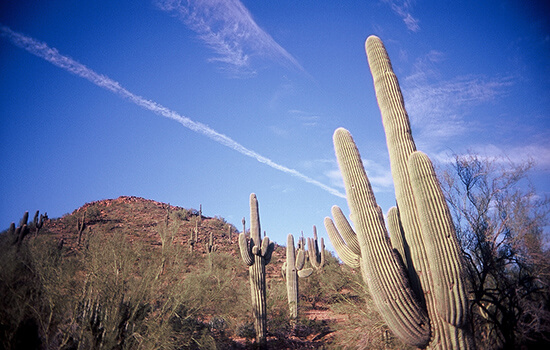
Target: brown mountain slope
<point>142,220</point>
<point>128,277</point>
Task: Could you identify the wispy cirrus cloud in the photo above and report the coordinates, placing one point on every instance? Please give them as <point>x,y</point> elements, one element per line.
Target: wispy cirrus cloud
<point>306,119</point>
<point>227,27</point>
<point>538,152</point>
<point>437,107</point>
<point>403,8</point>
<point>442,109</point>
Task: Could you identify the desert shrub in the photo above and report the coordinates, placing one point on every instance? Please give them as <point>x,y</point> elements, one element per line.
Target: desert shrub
<point>323,286</point>
<point>246,330</point>
<point>306,327</point>
<point>278,317</point>
<point>182,214</point>
<point>363,327</point>
<point>37,289</point>
<point>93,213</point>
<point>16,281</point>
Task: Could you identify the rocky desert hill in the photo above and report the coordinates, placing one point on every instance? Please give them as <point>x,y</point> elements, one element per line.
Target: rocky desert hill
<point>142,220</point>
<point>133,273</point>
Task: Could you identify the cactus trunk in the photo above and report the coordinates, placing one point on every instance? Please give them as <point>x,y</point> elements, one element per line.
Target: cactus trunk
<point>256,254</point>
<point>293,268</point>
<point>258,295</point>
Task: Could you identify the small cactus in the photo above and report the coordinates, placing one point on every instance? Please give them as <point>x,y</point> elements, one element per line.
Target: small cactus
<point>293,268</point>
<point>256,254</point>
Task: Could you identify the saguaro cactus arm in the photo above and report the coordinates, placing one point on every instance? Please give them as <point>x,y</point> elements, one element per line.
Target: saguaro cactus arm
<point>396,236</point>
<point>440,239</point>
<point>343,238</point>
<point>267,250</point>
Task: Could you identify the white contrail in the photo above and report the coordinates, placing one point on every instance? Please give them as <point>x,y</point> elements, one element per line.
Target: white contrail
<point>51,55</point>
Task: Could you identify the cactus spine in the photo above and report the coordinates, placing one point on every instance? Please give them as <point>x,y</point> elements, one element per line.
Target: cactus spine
<point>293,268</point>
<point>419,290</point>
<point>256,254</point>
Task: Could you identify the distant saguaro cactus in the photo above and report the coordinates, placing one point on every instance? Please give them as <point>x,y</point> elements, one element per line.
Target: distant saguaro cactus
<point>11,229</point>
<point>256,254</point>
<point>38,221</point>
<point>197,230</point>
<point>419,291</point>
<point>191,241</point>
<point>24,219</point>
<point>20,232</point>
<point>293,268</point>
<point>316,251</point>
<point>210,247</point>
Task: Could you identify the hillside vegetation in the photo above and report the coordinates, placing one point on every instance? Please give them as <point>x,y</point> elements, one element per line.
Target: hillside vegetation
<point>131,273</point>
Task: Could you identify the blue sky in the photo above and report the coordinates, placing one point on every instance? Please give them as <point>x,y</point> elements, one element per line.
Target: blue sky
<point>204,102</point>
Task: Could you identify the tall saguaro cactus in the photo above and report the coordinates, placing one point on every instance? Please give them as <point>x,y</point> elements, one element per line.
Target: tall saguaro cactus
<point>256,254</point>
<point>293,268</point>
<point>416,279</point>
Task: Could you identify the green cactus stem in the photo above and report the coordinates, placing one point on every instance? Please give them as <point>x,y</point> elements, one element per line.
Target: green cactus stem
<point>256,254</point>
<point>293,268</point>
<point>316,251</point>
<point>416,278</point>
